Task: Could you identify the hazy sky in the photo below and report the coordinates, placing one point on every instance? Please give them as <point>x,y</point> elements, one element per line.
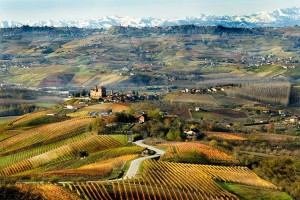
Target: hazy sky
<point>84,9</point>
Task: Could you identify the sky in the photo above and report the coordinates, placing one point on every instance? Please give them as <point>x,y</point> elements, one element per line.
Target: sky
<point>33,10</point>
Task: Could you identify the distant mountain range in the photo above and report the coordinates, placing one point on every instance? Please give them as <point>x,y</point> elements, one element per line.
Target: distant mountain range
<point>277,18</point>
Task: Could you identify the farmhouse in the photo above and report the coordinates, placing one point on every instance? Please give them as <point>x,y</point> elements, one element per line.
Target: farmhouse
<point>191,134</point>
<point>76,106</point>
<point>98,93</point>
<point>145,152</point>
<point>197,109</point>
<point>142,118</point>
<point>214,89</point>
<point>294,119</point>
<point>102,113</point>
<point>70,107</point>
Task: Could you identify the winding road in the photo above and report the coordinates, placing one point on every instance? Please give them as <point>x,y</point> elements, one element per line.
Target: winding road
<point>134,166</point>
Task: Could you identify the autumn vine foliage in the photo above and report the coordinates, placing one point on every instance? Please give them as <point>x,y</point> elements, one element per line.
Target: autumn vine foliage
<point>193,152</point>
<point>165,180</point>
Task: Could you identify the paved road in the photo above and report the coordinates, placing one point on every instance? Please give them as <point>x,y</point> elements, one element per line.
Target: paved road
<point>134,166</point>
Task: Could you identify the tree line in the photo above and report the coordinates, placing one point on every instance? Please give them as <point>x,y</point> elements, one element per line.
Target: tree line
<point>276,93</point>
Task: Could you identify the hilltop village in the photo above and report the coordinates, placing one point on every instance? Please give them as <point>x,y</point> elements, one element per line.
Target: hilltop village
<point>252,115</point>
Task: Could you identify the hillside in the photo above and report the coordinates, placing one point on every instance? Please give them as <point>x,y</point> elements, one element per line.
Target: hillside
<point>124,57</point>
<point>76,155</point>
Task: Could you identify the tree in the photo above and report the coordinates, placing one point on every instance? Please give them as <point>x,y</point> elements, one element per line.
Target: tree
<point>141,129</point>
<point>173,134</point>
<point>167,122</point>
<point>130,111</point>
<point>155,114</point>
<point>124,118</point>
<point>88,128</point>
<point>213,143</point>
<point>157,129</point>
<point>271,128</point>
<point>13,193</point>
<point>99,126</point>
<point>83,92</point>
<point>110,119</point>
<point>83,154</point>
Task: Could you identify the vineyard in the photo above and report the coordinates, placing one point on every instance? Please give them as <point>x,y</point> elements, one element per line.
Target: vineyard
<point>106,154</point>
<point>164,180</point>
<point>225,136</point>
<point>19,120</point>
<point>63,153</point>
<point>27,117</point>
<point>63,148</point>
<point>44,135</point>
<point>98,169</point>
<point>181,150</point>
<point>48,191</point>
<point>17,157</point>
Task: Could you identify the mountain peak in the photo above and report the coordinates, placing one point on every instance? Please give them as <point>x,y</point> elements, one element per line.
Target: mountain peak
<point>277,18</point>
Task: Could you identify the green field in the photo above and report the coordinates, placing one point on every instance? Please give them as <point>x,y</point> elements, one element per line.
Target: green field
<point>246,192</point>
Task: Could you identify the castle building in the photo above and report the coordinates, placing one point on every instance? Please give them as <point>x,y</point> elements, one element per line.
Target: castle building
<point>98,93</point>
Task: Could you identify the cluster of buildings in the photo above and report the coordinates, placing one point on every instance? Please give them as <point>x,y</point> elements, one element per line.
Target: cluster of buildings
<point>101,93</point>
<point>202,90</point>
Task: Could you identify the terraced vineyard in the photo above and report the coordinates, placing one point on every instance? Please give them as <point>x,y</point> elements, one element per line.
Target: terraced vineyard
<point>63,153</point>
<point>44,135</point>
<point>17,157</point>
<point>106,154</point>
<point>48,191</point>
<point>225,136</point>
<point>164,180</point>
<point>180,150</point>
<point>27,117</point>
<point>98,169</point>
<point>59,148</point>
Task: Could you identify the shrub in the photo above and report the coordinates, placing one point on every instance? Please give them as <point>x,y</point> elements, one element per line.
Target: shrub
<point>10,192</point>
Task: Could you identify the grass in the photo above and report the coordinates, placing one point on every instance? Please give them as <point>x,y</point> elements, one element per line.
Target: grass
<point>45,104</point>
<point>246,192</point>
<point>268,70</point>
<point>4,121</point>
<point>115,107</point>
<point>120,172</point>
<point>41,120</point>
<point>206,115</point>
<point>4,136</point>
<point>120,138</point>
<point>79,113</point>
<point>191,98</point>
<point>27,79</point>
<point>225,100</point>
<point>293,72</point>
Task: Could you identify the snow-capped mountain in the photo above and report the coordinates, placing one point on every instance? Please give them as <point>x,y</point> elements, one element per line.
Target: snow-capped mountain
<point>277,18</point>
